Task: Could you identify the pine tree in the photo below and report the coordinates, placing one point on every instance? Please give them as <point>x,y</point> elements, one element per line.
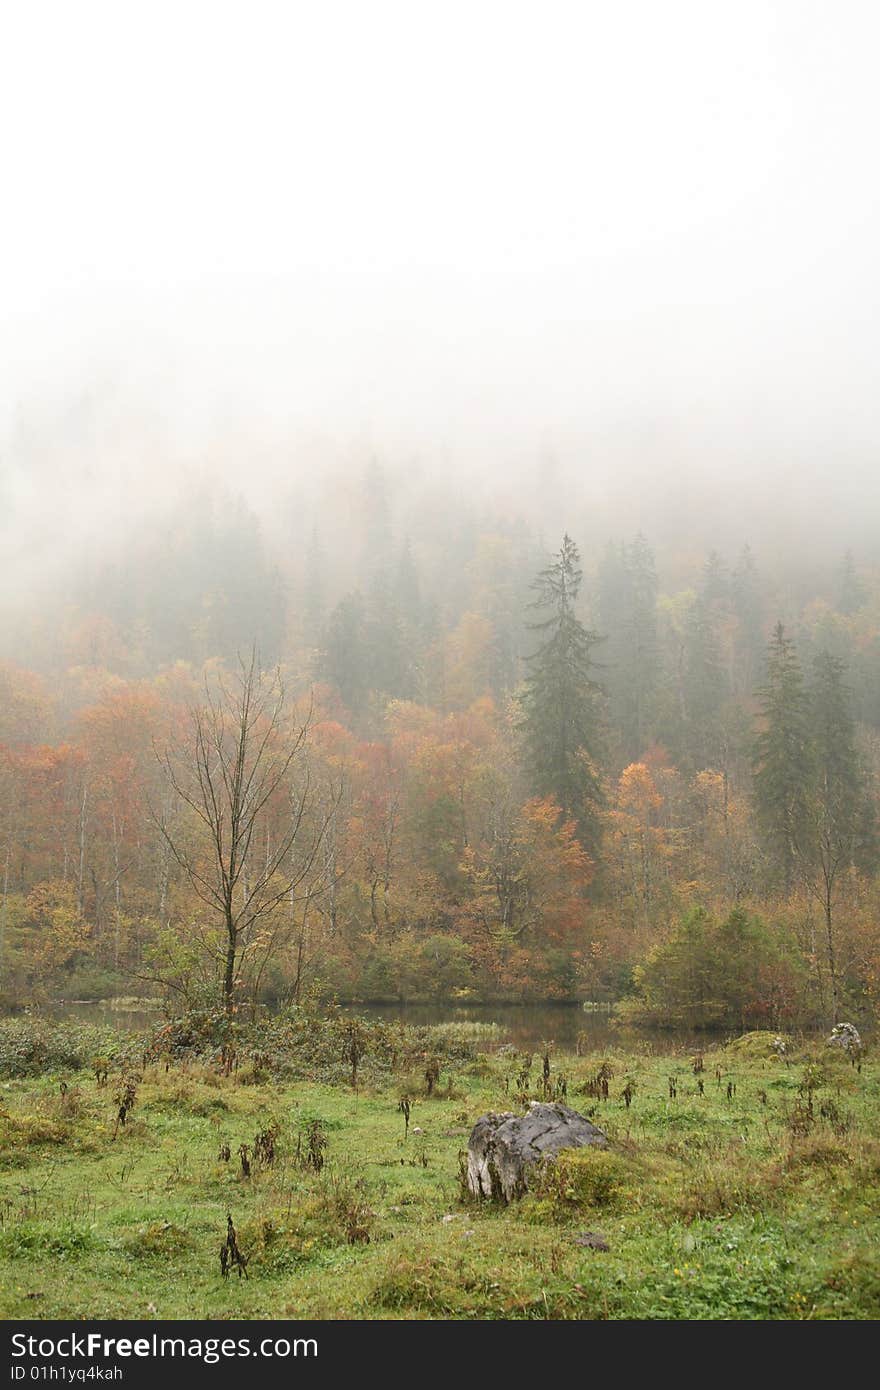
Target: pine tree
<point>560,703</point>
<point>628,611</point>
<point>745,595</point>
<point>839,831</point>
<point>345,655</point>
<point>704,687</point>
<point>782,755</point>
<point>389,644</point>
<point>715,587</point>
<point>851,592</point>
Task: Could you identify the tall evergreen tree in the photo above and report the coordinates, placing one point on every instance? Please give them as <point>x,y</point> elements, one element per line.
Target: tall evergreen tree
<point>715,587</point>
<point>560,719</point>
<point>839,830</point>
<point>782,755</point>
<point>851,592</point>
<point>745,593</point>
<point>407,589</point>
<point>704,687</point>
<point>628,612</point>
<point>390,646</point>
<point>345,658</point>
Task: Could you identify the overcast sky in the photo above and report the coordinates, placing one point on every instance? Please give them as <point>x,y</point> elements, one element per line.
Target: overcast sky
<point>470,229</point>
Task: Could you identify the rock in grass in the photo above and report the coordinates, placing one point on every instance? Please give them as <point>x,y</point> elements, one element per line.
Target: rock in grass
<point>503,1148</point>
<point>591,1240</point>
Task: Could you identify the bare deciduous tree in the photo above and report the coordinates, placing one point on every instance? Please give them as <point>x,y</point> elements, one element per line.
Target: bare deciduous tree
<point>241,769</point>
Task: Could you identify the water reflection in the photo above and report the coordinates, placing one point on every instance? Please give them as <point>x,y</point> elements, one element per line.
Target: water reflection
<point>529,1026</point>
<point>525,1026</point>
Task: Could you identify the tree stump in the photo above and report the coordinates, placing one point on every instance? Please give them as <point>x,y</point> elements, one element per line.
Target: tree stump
<point>503,1148</point>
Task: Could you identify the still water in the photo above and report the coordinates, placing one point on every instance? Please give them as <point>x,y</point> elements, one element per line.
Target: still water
<point>526,1026</point>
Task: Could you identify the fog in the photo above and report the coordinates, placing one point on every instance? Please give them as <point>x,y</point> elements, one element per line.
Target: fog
<point>585,266</point>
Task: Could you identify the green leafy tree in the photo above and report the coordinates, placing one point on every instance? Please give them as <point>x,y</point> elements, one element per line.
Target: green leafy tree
<point>706,974</point>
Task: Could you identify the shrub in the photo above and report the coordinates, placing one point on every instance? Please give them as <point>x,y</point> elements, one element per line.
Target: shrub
<point>759,1045</point>
<point>336,1212</point>
<point>24,1131</point>
<point>61,1242</point>
<point>818,1151</point>
<point>297,1043</point>
<point>723,1188</point>
<point>710,974</point>
<point>31,1046</point>
<point>588,1177</point>
<point>856,1283</point>
<point>158,1241</point>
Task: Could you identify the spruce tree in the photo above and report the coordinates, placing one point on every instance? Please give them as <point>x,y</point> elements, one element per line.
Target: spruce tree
<point>345,656</point>
<point>704,686</point>
<point>782,755</point>
<point>560,720</point>
<point>746,602</point>
<point>840,826</point>
<point>628,612</point>
<point>715,587</point>
<point>851,592</point>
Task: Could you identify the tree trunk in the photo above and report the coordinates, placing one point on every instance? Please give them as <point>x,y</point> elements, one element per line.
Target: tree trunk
<point>832,960</point>
<point>229,972</point>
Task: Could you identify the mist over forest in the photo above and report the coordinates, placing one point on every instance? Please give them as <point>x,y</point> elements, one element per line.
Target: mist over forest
<point>439,670</point>
<point>525,444</point>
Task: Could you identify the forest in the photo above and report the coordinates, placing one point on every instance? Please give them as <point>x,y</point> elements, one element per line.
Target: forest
<point>439,677</point>
<point>429,753</point>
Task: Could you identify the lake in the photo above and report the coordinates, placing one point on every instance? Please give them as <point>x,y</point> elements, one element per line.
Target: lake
<point>526,1026</point>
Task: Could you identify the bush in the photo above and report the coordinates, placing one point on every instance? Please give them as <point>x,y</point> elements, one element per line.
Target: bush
<point>818,1151</point>
<point>158,1241</point>
<point>335,1213</point>
<point>27,1131</point>
<point>724,1187</point>
<point>855,1281</point>
<point>588,1177</point>
<point>759,1045</point>
<point>301,1044</point>
<point>31,1046</point>
<point>65,1242</point>
<point>709,974</point>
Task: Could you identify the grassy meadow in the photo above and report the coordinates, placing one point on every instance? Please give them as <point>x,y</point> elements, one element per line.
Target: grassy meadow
<point>757,1198</point>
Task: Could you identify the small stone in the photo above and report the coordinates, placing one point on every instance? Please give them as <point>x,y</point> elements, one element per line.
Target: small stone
<point>591,1240</point>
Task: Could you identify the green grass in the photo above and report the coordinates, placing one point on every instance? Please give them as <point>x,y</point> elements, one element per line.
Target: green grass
<point>712,1207</point>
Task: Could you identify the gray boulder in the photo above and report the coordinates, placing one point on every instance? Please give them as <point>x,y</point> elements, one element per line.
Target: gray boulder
<point>503,1148</point>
